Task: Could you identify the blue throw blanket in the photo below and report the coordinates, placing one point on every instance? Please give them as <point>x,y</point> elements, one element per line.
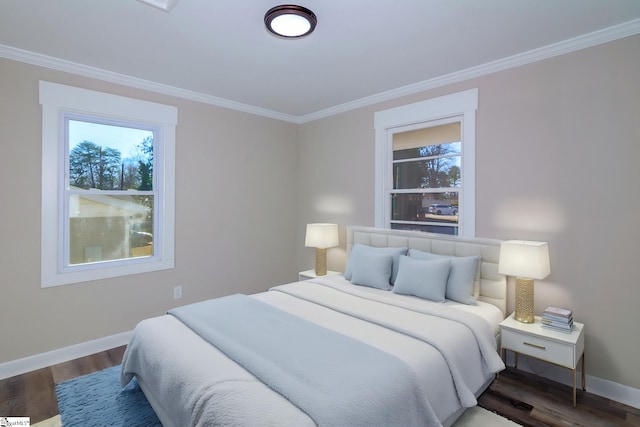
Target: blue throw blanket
<point>335,379</point>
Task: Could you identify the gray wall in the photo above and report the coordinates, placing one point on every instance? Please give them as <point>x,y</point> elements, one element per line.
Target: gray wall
<point>236,210</point>
<point>557,152</point>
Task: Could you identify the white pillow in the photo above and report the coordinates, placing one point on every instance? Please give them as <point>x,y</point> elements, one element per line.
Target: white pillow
<point>372,269</point>
<point>424,279</point>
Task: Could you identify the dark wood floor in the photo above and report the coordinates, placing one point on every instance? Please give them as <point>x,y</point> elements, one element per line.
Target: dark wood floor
<point>535,401</point>
<point>524,398</point>
<point>33,394</point>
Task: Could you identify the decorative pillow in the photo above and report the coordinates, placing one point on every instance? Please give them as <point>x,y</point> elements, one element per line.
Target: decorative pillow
<point>372,269</point>
<point>394,252</point>
<point>424,279</point>
<point>460,285</point>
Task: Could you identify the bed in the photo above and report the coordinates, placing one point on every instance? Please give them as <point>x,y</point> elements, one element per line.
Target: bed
<point>339,350</point>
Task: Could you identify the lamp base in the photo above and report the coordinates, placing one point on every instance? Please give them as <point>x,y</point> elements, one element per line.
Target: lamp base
<point>524,300</point>
<point>321,261</point>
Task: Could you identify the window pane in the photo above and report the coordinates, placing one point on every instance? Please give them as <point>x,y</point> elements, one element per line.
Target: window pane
<point>436,208</point>
<point>427,151</point>
<point>427,228</point>
<point>107,228</point>
<point>109,157</point>
<point>443,172</point>
<point>431,135</point>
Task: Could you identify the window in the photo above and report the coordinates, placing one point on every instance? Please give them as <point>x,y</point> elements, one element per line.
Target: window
<point>425,165</point>
<point>426,177</point>
<point>107,185</point>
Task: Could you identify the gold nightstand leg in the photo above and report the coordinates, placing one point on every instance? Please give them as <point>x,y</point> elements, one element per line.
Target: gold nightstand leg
<point>574,388</point>
<point>584,377</point>
<point>584,384</point>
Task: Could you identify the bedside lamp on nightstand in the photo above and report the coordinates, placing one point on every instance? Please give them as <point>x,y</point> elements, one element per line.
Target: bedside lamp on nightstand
<point>321,236</point>
<point>526,261</point>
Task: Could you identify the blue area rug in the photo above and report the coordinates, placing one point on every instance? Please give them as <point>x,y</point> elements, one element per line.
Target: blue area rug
<point>97,400</point>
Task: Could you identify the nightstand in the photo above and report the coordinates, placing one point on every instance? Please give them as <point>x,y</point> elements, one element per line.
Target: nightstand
<point>531,339</point>
<point>311,274</point>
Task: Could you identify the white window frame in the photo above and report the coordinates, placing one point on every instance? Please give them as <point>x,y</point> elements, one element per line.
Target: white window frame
<point>463,104</point>
<point>59,100</point>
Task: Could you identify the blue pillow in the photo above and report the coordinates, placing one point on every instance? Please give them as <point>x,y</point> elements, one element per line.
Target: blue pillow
<point>461,277</point>
<point>424,279</point>
<point>394,252</point>
<point>372,269</point>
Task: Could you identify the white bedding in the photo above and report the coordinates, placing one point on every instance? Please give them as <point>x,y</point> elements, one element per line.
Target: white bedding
<point>190,382</point>
<point>488,312</point>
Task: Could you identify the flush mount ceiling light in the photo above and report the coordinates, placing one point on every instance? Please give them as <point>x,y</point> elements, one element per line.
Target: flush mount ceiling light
<point>290,21</point>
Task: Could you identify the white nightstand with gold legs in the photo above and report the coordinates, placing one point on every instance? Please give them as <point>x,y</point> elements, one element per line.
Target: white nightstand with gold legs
<point>560,348</point>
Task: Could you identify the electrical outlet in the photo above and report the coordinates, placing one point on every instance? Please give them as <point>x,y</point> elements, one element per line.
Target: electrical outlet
<point>177,292</point>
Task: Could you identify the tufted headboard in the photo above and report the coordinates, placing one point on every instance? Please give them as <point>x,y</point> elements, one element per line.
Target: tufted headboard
<point>493,286</point>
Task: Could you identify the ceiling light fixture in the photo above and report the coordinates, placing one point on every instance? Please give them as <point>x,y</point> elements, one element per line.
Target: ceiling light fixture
<point>290,21</point>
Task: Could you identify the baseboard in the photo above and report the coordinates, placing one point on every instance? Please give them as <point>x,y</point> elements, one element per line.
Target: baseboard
<point>619,392</point>
<point>50,358</point>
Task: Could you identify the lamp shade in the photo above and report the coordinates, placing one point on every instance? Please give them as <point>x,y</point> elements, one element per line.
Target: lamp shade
<point>321,235</point>
<point>527,259</point>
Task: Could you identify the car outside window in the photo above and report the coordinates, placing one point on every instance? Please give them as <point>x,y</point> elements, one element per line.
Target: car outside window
<point>425,157</point>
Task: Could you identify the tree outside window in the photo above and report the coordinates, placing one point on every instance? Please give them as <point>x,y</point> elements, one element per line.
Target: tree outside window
<point>426,178</point>
<point>110,191</point>
<point>425,165</point>
<point>108,185</point>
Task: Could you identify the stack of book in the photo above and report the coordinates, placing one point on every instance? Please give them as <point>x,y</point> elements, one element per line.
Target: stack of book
<point>557,319</point>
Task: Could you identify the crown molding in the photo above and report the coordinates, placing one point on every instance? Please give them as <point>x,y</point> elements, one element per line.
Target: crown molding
<point>605,35</point>
<point>58,64</point>
<point>620,31</point>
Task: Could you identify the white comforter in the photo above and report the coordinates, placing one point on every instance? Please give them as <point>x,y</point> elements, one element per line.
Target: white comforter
<point>190,382</point>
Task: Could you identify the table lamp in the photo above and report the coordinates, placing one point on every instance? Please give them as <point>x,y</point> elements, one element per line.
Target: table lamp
<point>526,261</point>
<point>321,236</point>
